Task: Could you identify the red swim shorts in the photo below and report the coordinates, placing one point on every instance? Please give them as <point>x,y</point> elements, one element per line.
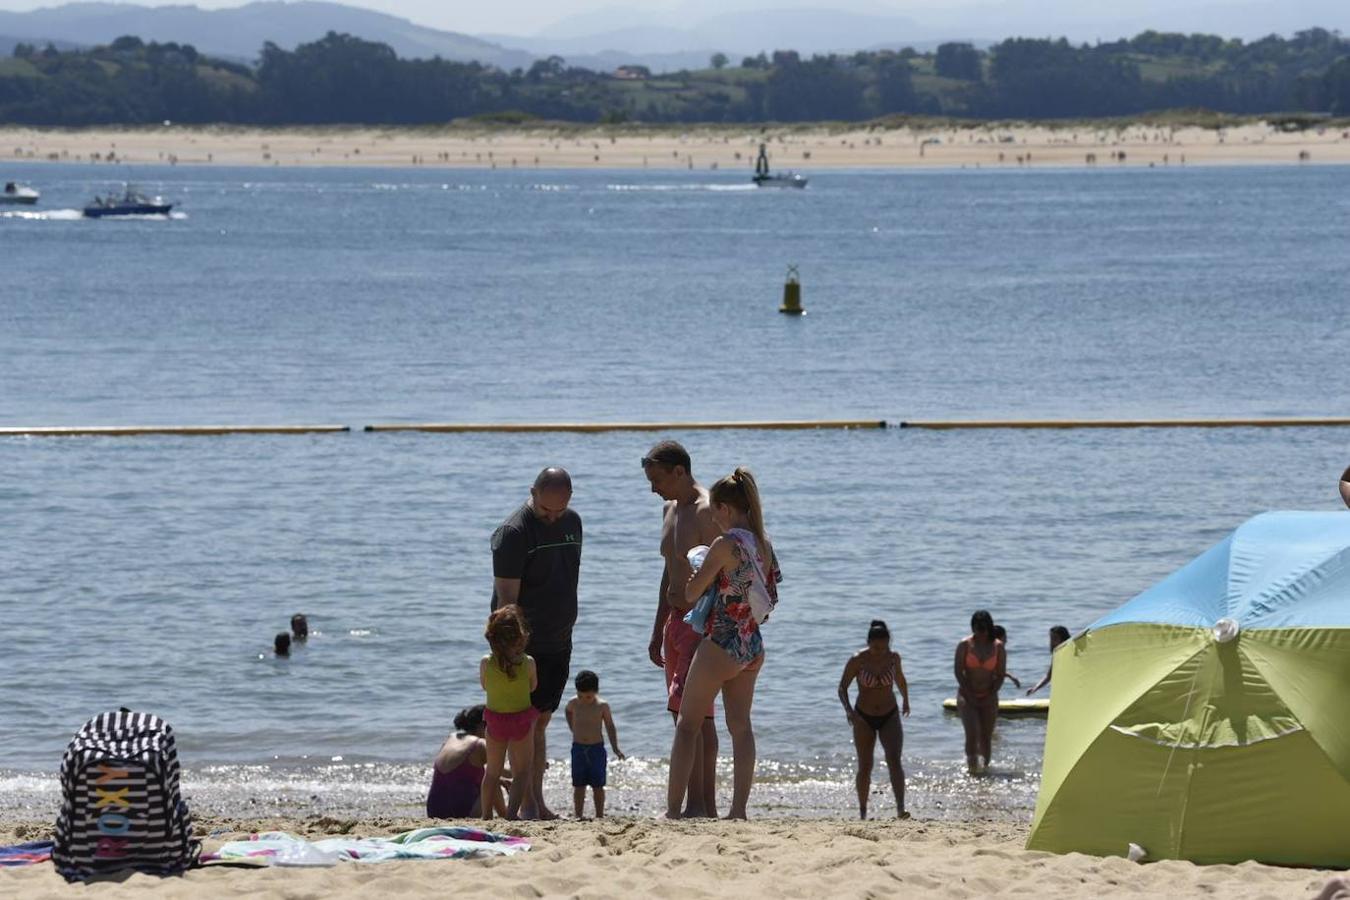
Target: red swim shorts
<point>681,642</point>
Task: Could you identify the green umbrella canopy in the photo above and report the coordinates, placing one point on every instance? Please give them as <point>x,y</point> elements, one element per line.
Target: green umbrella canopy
<point>1209,718</point>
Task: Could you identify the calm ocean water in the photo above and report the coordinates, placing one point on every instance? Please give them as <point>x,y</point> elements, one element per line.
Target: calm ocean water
<point>152,572</point>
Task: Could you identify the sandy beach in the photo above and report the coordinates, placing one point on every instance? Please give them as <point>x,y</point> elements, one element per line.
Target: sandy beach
<point>707,149</point>
<point>639,857</point>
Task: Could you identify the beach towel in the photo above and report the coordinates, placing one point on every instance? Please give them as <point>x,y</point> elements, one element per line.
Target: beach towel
<point>449,842</point>
<point>697,617</point>
<point>25,854</point>
<point>761,601</point>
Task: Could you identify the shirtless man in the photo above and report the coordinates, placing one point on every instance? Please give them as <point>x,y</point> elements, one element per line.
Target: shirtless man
<point>687,522</point>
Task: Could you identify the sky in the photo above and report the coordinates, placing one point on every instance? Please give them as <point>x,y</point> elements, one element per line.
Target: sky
<point>1028,17</point>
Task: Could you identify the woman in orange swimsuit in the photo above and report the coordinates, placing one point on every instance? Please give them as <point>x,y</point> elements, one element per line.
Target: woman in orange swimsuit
<point>981,666</point>
<point>877,670</point>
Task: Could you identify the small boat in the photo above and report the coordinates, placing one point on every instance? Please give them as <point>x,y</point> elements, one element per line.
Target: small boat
<point>130,202</point>
<point>18,193</point>
<point>1018,706</point>
<point>763,178</point>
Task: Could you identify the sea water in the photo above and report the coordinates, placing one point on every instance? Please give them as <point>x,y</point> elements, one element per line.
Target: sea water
<point>152,572</point>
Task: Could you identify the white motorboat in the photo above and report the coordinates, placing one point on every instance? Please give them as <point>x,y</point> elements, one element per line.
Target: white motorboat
<point>18,193</point>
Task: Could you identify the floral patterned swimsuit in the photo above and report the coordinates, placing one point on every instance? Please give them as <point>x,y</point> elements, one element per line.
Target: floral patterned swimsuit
<point>731,625</point>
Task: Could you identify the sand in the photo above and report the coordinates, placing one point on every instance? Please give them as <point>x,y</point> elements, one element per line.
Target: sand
<point>640,857</point>
<point>722,149</point>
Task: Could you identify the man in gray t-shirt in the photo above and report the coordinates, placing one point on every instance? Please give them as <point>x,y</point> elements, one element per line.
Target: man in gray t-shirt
<point>536,564</point>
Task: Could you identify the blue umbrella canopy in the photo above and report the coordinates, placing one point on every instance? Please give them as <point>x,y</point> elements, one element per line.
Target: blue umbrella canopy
<point>1277,570</point>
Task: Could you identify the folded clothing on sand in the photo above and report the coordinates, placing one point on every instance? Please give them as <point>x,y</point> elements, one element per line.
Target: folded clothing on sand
<point>421,843</point>
<point>26,854</point>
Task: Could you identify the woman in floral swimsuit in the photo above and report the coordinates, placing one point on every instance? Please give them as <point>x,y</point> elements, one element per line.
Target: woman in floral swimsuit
<point>740,565</point>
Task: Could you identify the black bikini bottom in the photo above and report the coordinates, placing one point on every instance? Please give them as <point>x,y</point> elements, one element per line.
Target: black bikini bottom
<point>876,723</point>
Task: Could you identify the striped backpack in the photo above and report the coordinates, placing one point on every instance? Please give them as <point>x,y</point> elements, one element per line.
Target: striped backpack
<point>121,807</point>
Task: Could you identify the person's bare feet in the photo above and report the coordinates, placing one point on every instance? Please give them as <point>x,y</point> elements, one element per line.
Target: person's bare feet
<point>542,814</point>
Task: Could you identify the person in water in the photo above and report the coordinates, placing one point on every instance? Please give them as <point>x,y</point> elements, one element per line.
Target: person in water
<point>457,772</point>
<point>299,627</point>
<point>1058,635</point>
<point>686,522</point>
<point>586,715</point>
<point>1001,635</point>
<point>281,644</point>
<point>508,676</point>
<point>741,566</point>
<point>876,668</point>
<point>980,667</point>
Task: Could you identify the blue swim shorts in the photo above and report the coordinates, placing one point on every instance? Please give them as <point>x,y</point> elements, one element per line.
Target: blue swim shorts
<point>590,765</point>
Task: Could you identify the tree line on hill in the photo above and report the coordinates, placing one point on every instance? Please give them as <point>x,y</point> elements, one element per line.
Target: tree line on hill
<point>342,79</point>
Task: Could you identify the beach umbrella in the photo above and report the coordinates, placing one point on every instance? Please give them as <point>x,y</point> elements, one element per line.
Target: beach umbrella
<point>1209,718</point>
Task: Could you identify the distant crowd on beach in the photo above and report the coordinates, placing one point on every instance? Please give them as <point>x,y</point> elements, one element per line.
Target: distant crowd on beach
<point>718,588</point>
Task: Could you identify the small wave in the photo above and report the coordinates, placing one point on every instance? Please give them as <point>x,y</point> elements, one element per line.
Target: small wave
<point>44,215</point>
<point>656,188</point>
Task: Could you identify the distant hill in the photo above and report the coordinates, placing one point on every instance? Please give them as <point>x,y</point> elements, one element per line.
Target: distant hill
<point>342,79</point>
<point>240,32</point>
<point>8,42</point>
<point>734,26</point>
<point>737,34</point>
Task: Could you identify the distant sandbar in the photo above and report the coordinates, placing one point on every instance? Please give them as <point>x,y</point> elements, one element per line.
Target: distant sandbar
<point>723,148</point>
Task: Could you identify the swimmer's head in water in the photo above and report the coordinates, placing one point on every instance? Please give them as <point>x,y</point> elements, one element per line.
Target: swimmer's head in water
<point>282,644</point>
<point>878,635</point>
<point>1000,633</point>
<point>551,494</point>
<point>470,720</point>
<point>299,626</point>
<point>982,623</point>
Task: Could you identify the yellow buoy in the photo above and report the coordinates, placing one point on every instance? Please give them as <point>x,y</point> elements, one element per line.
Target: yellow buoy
<point>792,295</point>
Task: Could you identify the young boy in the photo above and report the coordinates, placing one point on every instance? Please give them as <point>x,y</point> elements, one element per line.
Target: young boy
<point>586,713</point>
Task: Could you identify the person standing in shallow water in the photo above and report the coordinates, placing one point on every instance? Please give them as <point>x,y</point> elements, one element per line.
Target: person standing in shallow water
<point>876,668</point>
<point>687,522</point>
<point>536,564</point>
<point>980,667</point>
<point>740,567</point>
<point>1058,635</point>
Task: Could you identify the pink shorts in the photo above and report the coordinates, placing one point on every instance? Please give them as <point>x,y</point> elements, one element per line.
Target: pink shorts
<point>681,642</point>
<point>510,726</point>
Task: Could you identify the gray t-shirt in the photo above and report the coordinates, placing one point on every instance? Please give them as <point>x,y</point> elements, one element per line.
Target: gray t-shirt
<point>547,560</point>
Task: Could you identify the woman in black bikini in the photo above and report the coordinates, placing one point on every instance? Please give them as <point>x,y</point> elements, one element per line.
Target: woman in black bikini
<point>877,670</point>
